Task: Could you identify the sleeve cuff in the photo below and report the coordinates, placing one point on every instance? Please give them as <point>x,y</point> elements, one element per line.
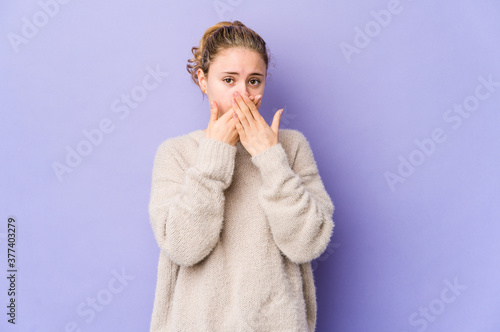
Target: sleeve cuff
<point>272,162</point>
<point>216,159</point>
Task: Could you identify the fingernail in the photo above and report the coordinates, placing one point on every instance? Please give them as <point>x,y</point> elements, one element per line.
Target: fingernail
<point>235,93</point>
<point>281,112</point>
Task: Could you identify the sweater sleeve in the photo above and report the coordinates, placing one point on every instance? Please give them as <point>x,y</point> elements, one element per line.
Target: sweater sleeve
<point>186,206</point>
<point>295,201</point>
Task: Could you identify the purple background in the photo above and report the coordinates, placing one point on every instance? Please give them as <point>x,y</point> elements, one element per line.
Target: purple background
<point>396,252</point>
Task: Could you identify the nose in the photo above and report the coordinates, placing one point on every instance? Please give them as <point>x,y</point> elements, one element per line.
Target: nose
<point>243,90</point>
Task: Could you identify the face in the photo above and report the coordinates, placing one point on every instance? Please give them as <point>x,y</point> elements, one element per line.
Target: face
<point>233,69</point>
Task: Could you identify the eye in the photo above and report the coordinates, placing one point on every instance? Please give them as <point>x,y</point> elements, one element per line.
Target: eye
<point>227,78</point>
<point>254,80</point>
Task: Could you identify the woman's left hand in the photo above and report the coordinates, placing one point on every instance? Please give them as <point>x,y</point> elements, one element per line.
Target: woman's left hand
<point>255,134</point>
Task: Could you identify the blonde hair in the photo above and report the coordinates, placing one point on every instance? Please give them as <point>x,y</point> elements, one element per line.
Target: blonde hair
<point>221,36</point>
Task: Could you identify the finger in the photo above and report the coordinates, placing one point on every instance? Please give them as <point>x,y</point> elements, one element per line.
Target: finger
<point>239,127</point>
<point>258,101</point>
<point>254,110</point>
<point>226,117</point>
<point>258,104</point>
<point>246,106</point>
<point>276,121</point>
<point>241,116</point>
<point>214,112</point>
<point>250,105</point>
<point>231,114</point>
<point>255,100</point>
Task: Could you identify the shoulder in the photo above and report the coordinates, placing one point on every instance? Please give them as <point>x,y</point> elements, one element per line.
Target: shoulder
<point>291,135</point>
<point>296,145</point>
<point>292,140</point>
<point>182,143</point>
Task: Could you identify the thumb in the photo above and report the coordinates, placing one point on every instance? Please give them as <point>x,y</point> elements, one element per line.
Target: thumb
<point>214,111</point>
<point>276,121</point>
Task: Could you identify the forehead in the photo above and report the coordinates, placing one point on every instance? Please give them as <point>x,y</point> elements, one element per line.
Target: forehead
<point>237,59</point>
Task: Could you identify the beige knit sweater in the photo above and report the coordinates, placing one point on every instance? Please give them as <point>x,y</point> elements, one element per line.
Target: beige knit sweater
<point>237,234</point>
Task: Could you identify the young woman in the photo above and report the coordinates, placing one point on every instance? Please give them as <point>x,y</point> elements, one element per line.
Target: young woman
<point>238,209</point>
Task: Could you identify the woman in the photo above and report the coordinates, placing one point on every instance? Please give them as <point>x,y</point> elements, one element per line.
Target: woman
<point>238,209</point>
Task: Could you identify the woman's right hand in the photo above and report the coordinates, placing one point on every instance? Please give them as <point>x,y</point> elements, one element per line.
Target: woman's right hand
<point>223,128</point>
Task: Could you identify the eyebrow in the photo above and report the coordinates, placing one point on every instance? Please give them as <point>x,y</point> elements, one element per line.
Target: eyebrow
<point>235,73</point>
